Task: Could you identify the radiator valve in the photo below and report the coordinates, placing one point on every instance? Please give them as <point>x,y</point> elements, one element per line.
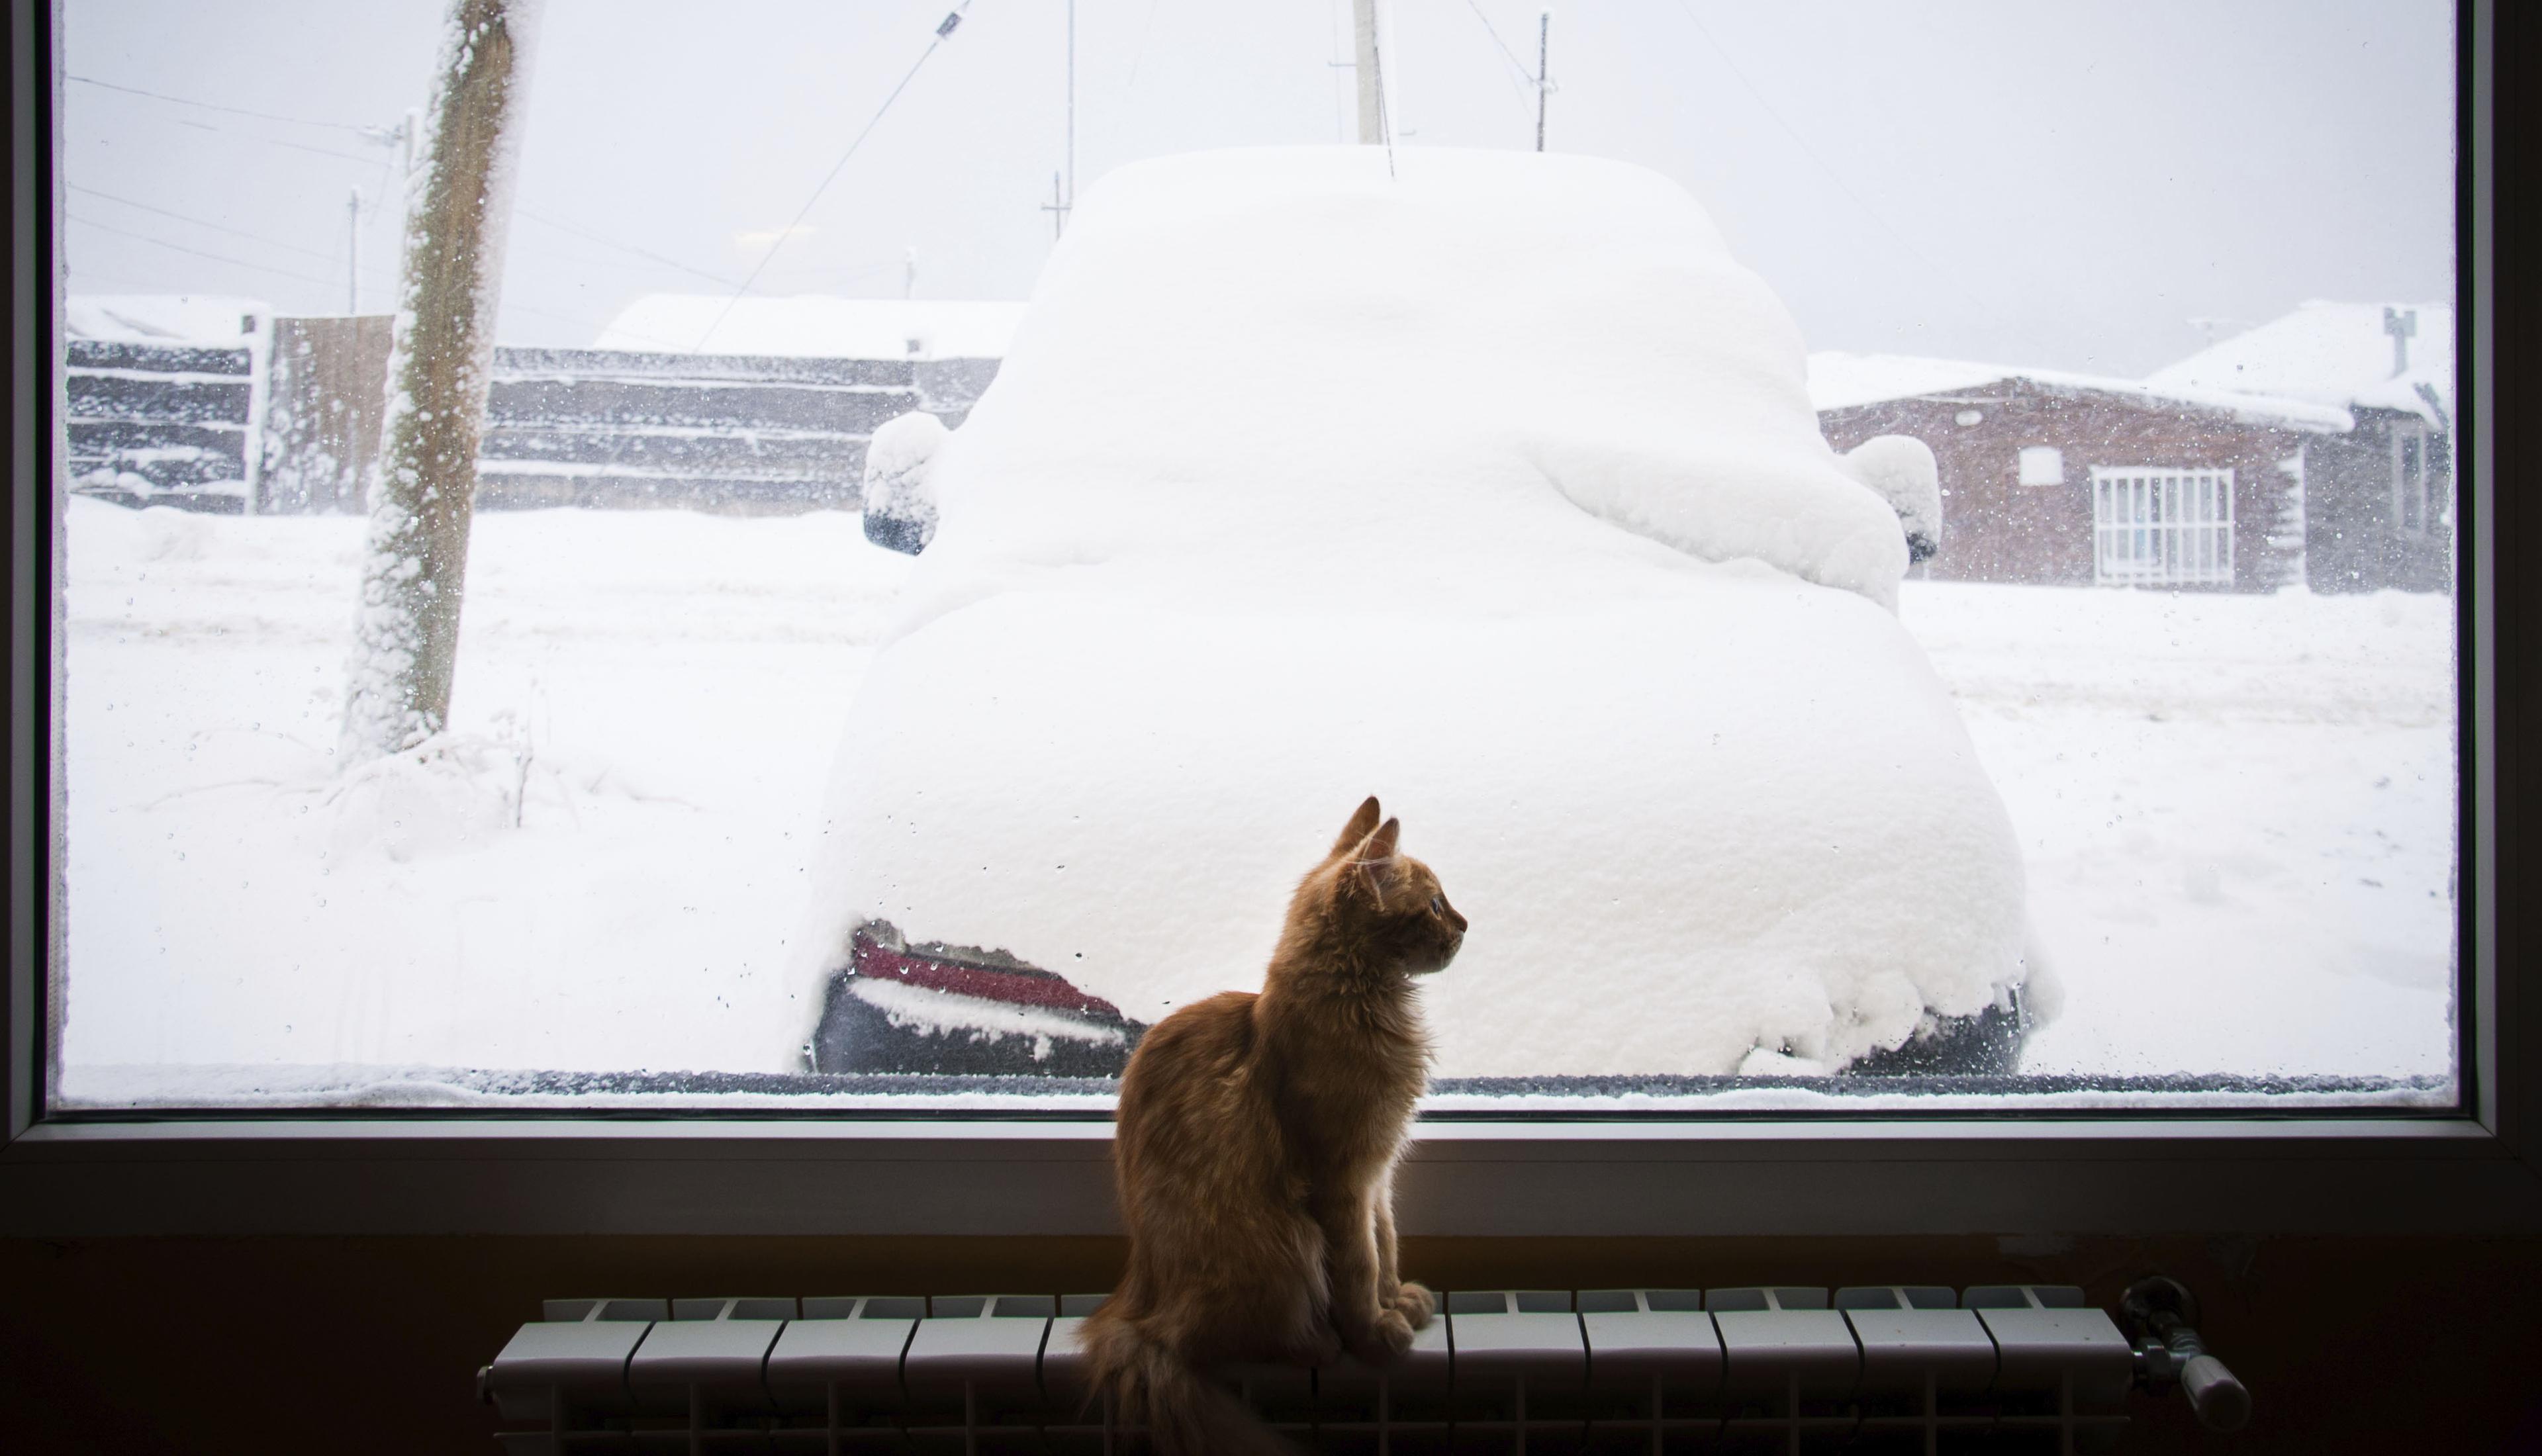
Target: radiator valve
<point>2160,1316</point>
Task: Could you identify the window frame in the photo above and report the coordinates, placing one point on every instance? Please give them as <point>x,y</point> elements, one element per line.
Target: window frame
<point>2473,1170</point>
<point>2154,541</point>
<point>2411,442</point>
<point>2050,461</point>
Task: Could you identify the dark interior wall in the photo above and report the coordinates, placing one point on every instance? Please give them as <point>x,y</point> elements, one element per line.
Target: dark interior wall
<point>205,1345</point>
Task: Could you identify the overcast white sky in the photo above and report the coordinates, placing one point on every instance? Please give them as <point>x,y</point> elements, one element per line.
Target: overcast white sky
<point>2061,185</point>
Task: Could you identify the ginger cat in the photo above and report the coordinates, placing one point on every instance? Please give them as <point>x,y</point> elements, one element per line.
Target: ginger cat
<point>1256,1155</point>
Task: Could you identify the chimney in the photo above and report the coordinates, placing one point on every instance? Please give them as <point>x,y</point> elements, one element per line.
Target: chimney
<point>2401,324</point>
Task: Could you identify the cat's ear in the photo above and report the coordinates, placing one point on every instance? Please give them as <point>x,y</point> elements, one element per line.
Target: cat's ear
<point>1379,847</point>
<point>1372,863</point>
<point>1357,830</point>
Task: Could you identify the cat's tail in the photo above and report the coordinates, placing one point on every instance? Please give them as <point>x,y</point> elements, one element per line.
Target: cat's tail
<point>1184,1412</point>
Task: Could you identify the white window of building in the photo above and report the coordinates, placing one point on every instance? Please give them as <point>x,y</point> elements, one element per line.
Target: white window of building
<point>2043,464</point>
<point>2410,503</point>
<point>2157,527</point>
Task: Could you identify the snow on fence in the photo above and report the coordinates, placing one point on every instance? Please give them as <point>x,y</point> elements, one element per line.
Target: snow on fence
<point>605,428</point>
<point>162,423</point>
<point>733,433</point>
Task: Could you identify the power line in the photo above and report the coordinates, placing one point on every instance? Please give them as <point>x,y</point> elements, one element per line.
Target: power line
<point>844,270</point>
<point>215,105</point>
<point>660,260</point>
<point>275,141</point>
<point>1522,79</point>
<point>942,33</point>
<point>1515,63</point>
<point>584,233</point>
<point>198,252</point>
<point>509,307</point>
<point>201,223</point>
<point>1141,54</point>
<point>283,272</point>
<point>92,276</point>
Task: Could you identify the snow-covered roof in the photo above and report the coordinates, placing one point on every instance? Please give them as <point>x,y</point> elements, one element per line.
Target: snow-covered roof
<point>815,326</point>
<point>210,321</point>
<point>1842,381</point>
<point>2331,353</point>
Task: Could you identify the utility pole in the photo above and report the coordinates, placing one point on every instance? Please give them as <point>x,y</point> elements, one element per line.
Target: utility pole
<point>1070,200</point>
<point>414,566</point>
<point>908,272</point>
<point>404,137</point>
<point>1057,207</point>
<point>353,252</point>
<point>1543,47</point>
<point>1372,100</point>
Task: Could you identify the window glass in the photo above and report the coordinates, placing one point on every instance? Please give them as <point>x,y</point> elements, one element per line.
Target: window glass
<point>2414,482</point>
<point>858,552</point>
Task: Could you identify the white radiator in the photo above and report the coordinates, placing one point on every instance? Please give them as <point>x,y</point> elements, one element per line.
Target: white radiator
<point>1902,1368</point>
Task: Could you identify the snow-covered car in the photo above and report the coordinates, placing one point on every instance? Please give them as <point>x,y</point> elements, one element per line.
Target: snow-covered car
<point>1485,482</point>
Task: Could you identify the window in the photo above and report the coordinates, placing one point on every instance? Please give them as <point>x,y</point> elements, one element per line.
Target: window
<point>2162,528</point>
<point>614,878</point>
<point>2411,510</point>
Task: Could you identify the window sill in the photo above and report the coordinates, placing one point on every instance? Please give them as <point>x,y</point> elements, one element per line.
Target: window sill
<point>1822,1177</point>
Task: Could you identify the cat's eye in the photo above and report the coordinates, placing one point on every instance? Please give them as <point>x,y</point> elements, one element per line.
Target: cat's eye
<point>1438,906</point>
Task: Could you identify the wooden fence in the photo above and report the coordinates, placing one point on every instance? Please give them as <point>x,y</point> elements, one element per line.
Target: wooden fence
<point>735,434</point>
<point>328,396</point>
<point>587,427</point>
<point>151,422</point>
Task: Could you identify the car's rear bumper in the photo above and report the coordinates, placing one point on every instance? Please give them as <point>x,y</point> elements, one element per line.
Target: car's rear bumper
<point>902,1007</point>
<point>895,1008</point>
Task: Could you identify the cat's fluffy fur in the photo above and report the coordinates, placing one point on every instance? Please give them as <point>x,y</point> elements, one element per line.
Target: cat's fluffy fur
<point>1256,1155</point>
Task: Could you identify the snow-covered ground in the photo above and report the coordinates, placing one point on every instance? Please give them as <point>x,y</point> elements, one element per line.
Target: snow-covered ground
<point>2237,814</point>
<point>2236,811</point>
<point>655,701</point>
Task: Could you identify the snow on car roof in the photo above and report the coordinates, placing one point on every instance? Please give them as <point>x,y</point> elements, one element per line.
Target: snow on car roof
<point>1487,482</point>
<point>814,325</point>
<point>1459,353</point>
<point>2331,353</point>
<point>1843,380</point>
<point>208,320</point>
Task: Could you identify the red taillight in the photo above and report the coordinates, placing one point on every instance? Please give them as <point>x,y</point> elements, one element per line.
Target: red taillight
<point>1019,986</point>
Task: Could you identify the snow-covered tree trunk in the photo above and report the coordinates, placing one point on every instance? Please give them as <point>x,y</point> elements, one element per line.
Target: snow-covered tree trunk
<point>415,562</point>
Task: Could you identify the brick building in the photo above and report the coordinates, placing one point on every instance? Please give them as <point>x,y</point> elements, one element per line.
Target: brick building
<point>2378,500</point>
<point>2067,480</point>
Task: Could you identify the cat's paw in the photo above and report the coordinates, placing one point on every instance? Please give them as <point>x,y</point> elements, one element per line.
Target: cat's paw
<point>1416,1304</point>
<point>1385,1340</point>
<point>1321,1349</point>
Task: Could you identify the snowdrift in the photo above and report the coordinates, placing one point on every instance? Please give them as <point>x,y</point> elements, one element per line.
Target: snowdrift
<point>1489,486</point>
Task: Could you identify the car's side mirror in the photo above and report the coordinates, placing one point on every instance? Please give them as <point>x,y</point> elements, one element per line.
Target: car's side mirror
<point>900,508</point>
